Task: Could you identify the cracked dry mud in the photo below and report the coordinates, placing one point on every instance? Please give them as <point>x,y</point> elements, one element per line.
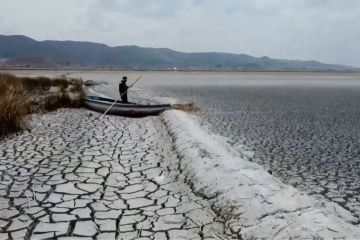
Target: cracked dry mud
<point>74,176</point>
<point>309,136</point>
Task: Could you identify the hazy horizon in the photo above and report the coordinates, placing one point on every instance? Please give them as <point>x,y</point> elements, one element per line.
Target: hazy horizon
<point>323,30</point>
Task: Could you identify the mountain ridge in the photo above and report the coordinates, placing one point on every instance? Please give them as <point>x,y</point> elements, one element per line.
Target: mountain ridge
<point>23,51</point>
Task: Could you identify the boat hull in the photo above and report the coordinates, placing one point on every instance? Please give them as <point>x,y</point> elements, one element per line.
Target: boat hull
<point>124,109</point>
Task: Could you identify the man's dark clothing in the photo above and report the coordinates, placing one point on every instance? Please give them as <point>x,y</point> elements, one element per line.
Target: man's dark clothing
<point>123,91</point>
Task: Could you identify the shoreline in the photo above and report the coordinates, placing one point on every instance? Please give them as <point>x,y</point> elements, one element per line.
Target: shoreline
<point>76,70</point>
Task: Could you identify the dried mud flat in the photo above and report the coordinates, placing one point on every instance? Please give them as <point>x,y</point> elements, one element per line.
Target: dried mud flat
<point>75,176</point>
<point>308,136</point>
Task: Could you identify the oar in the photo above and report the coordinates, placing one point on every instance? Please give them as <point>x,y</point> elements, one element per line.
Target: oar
<point>119,97</point>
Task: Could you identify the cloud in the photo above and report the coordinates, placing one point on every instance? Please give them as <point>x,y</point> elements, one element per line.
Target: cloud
<point>325,30</point>
<point>142,8</point>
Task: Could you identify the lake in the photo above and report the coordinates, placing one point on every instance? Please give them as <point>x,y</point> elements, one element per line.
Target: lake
<point>303,127</point>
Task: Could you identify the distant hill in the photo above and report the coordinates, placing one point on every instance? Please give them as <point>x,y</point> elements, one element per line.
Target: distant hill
<point>22,51</point>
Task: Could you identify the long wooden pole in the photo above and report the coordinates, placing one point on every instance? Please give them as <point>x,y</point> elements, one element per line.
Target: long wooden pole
<point>119,97</point>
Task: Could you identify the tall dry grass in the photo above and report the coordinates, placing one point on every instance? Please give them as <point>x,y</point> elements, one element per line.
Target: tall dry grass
<point>13,104</point>
<point>39,84</point>
<point>62,100</point>
<point>186,107</point>
<point>20,96</point>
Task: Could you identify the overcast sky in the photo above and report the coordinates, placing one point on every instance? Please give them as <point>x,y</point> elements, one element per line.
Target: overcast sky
<point>324,30</point>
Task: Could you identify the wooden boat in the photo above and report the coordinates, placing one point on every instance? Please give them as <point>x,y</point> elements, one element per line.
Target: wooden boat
<point>101,104</point>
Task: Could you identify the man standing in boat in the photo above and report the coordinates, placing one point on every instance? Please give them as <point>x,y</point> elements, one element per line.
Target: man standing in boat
<point>123,88</point>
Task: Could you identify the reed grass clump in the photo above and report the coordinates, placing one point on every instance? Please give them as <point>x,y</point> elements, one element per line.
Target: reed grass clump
<point>54,102</point>
<point>186,107</point>
<point>20,96</point>
<point>76,86</point>
<point>13,105</point>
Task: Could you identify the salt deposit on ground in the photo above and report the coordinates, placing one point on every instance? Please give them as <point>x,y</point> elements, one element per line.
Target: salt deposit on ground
<point>266,207</point>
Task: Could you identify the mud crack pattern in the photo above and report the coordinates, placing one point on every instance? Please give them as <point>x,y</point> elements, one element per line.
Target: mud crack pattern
<point>307,136</point>
<point>76,176</point>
